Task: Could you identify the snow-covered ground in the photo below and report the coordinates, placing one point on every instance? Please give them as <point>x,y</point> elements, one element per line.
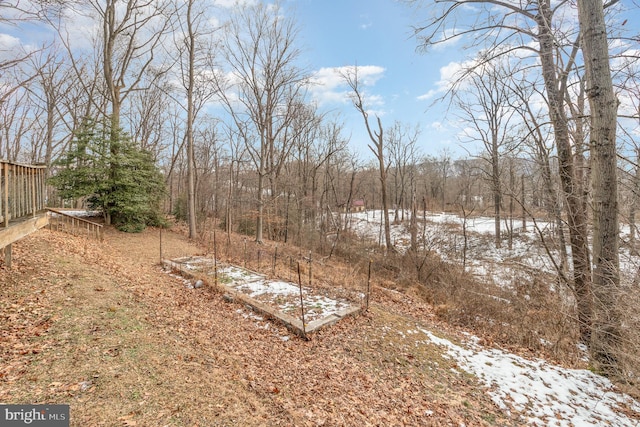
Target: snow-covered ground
<point>443,235</point>
<point>282,295</point>
<point>81,213</point>
<point>547,395</point>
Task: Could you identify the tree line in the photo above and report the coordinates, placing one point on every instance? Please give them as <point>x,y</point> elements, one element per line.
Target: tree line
<point>207,112</point>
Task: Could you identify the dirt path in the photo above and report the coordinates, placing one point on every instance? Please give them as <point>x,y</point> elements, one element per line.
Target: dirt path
<point>105,330</point>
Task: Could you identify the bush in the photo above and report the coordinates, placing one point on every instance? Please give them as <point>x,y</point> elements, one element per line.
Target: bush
<point>113,174</point>
<point>247,226</point>
<point>180,208</point>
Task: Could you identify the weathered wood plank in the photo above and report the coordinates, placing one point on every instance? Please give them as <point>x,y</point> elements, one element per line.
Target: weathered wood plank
<point>290,322</point>
<point>78,224</point>
<point>18,230</point>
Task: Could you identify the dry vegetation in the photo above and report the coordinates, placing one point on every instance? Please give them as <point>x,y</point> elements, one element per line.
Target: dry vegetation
<point>103,328</point>
<point>526,317</point>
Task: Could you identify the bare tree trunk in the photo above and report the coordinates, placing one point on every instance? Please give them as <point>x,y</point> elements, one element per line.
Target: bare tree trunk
<point>497,195</point>
<point>575,214</point>
<point>227,216</point>
<point>260,199</point>
<point>413,221</point>
<point>633,205</point>
<point>512,185</point>
<point>191,163</point>
<point>605,343</point>
<point>377,148</point>
<point>523,208</point>
<point>383,183</point>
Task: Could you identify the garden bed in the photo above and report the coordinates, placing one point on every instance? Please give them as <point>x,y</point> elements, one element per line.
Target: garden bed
<point>279,300</point>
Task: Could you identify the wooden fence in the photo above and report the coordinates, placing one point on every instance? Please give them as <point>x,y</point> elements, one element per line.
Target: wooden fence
<point>22,203</point>
<point>23,191</point>
<point>62,221</point>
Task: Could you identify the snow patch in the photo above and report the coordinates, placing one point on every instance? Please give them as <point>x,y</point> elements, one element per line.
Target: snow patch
<point>545,394</point>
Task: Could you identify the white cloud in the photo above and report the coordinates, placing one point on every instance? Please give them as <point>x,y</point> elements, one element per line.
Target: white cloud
<point>232,4</point>
<point>376,113</point>
<point>328,78</point>
<point>8,42</point>
<point>375,100</point>
<point>447,39</point>
<point>430,94</point>
<point>329,87</point>
<point>9,46</point>
<point>370,74</point>
<point>80,30</point>
<point>12,47</point>
<point>437,126</point>
<point>449,74</point>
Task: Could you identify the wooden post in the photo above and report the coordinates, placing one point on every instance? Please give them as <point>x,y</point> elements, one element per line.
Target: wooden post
<point>215,258</point>
<point>304,327</point>
<point>275,260</point>
<point>290,267</point>
<point>7,256</point>
<point>368,287</point>
<point>161,244</point>
<point>310,264</point>
<point>33,192</point>
<point>6,194</point>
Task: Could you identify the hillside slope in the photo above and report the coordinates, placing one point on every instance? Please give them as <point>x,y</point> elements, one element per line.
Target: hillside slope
<point>102,328</point>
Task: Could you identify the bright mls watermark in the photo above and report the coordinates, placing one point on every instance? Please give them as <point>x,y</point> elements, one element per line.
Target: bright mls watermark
<point>34,415</point>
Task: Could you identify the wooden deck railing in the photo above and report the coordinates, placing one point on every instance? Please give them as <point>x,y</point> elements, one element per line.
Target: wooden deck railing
<point>22,190</point>
<point>62,221</point>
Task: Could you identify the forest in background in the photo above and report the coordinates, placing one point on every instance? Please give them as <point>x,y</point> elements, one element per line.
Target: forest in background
<point>217,100</point>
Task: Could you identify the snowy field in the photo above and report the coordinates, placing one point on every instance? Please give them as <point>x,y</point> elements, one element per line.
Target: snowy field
<point>547,395</point>
<point>282,295</point>
<point>443,235</point>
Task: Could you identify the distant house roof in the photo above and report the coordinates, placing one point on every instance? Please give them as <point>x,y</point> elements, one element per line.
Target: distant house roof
<point>358,203</point>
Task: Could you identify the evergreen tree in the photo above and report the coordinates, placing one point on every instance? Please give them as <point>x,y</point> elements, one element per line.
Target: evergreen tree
<point>123,183</point>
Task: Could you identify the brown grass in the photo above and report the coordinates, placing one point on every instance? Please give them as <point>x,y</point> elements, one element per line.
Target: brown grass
<point>103,329</point>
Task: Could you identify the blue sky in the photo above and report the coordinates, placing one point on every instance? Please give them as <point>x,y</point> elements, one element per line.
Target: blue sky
<point>401,83</point>
<point>377,36</point>
<point>374,34</point>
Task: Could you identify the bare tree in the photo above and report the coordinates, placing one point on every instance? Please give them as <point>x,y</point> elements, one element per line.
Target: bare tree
<point>237,155</point>
<point>194,48</point>
<point>15,126</point>
<point>264,87</point>
<point>487,104</point>
<point>605,345</point>
<point>131,34</point>
<point>377,147</point>
<point>506,27</point>
<point>52,90</point>
<point>149,117</point>
<point>443,163</point>
<point>403,152</point>
<point>125,53</point>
